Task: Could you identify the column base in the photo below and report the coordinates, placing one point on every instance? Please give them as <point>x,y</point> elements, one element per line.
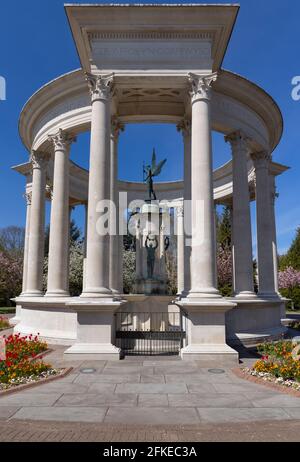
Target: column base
<point>58,293</point>
<point>95,329</point>
<point>206,293</point>
<point>33,293</point>
<point>100,292</point>
<point>206,331</point>
<point>245,294</point>
<point>220,353</point>
<point>93,351</point>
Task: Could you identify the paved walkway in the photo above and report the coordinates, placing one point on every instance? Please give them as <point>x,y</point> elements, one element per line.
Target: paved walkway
<point>148,391</point>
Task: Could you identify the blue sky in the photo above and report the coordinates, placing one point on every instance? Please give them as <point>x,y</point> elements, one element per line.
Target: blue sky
<point>36,46</point>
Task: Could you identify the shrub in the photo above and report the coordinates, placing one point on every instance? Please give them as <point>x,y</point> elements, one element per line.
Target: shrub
<point>4,323</point>
<point>294,295</point>
<point>128,271</point>
<point>10,277</point>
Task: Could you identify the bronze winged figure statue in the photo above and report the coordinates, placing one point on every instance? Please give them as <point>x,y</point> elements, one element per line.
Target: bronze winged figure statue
<point>150,171</point>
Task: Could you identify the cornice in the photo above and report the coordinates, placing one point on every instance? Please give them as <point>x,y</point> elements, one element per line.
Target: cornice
<point>150,35</point>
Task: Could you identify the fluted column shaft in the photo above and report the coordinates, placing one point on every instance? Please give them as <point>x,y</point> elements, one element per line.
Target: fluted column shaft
<point>34,279</point>
<point>97,272</point>
<point>28,196</point>
<point>261,162</point>
<point>274,236</point>
<point>185,128</point>
<point>180,250</point>
<point>241,219</point>
<point>114,248</point>
<point>58,265</point>
<point>203,261</point>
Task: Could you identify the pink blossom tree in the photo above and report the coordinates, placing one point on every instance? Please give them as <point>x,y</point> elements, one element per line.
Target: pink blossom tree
<point>10,277</point>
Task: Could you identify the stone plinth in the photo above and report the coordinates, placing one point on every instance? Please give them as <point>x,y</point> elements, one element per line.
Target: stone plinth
<point>95,330</point>
<point>150,223</point>
<point>206,332</point>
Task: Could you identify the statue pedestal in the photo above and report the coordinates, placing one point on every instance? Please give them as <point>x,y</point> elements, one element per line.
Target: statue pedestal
<point>150,224</point>
<point>150,286</point>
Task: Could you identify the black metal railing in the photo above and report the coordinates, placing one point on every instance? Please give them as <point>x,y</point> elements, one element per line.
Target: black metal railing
<point>144,333</point>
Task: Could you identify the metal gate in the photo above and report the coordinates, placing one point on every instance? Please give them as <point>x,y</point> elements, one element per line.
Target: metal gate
<point>150,334</point>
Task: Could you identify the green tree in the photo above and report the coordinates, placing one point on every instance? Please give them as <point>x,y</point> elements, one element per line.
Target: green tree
<point>223,225</point>
<point>292,257</point>
<point>75,236</point>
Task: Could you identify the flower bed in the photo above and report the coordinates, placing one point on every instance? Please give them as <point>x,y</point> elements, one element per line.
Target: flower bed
<point>295,325</point>
<point>4,323</point>
<point>280,363</point>
<point>20,365</point>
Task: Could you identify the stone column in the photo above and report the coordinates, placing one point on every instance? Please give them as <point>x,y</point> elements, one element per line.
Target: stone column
<point>58,266</point>
<point>203,260</point>
<point>180,250</point>
<point>114,266</point>
<point>185,128</point>
<point>34,278</point>
<point>206,308</point>
<point>28,197</point>
<point>273,196</point>
<point>97,271</point>
<point>241,219</point>
<point>265,226</point>
<point>85,245</point>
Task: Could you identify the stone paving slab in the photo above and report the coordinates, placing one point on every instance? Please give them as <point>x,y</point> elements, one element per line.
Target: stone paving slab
<point>294,413</point>
<point>96,387</point>
<point>276,400</point>
<point>151,388</point>
<point>145,378</point>
<point>241,415</point>
<point>201,388</point>
<point>150,400</point>
<point>177,369</point>
<point>105,378</point>
<point>153,415</point>
<point>239,387</point>
<point>197,378</point>
<point>30,399</point>
<point>128,370</point>
<point>208,400</point>
<point>59,387</point>
<point>97,399</point>
<point>74,414</point>
<point>7,411</point>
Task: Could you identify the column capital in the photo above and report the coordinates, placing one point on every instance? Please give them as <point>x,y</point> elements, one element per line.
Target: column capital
<point>201,86</point>
<point>184,126</point>
<point>116,127</point>
<point>39,159</point>
<point>238,141</point>
<point>100,86</point>
<point>28,197</point>
<point>261,159</point>
<point>61,140</point>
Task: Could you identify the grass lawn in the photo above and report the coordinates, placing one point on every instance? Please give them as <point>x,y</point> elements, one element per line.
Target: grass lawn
<point>7,309</point>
